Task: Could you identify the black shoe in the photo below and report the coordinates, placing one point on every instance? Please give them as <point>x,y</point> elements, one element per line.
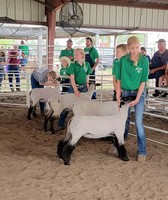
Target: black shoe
<point>12,90</point>
<point>164,94</point>
<point>156,94</point>
<point>18,90</point>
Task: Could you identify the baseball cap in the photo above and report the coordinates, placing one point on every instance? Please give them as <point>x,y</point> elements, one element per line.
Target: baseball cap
<point>69,40</point>
<point>161,40</point>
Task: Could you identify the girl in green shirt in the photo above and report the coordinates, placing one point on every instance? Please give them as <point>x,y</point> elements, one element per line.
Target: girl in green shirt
<point>131,76</point>
<point>79,71</point>
<point>65,62</point>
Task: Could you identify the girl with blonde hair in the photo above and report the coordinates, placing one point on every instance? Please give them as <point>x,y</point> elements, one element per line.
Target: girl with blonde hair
<point>79,72</point>
<point>131,76</point>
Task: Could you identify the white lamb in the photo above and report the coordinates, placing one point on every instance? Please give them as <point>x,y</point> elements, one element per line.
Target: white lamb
<point>89,126</point>
<point>38,94</point>
<point>85,107</point>
<point>65,101</point>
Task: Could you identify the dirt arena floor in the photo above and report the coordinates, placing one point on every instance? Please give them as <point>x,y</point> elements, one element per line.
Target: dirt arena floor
<point>31,170</point>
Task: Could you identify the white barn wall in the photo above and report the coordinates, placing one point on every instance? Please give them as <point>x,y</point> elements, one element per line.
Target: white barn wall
<point>24,10</point>
<point>123,17</point>
<point>94,15</point>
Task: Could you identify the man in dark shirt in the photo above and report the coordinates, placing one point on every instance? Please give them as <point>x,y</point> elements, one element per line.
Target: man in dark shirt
<point>158,64</point>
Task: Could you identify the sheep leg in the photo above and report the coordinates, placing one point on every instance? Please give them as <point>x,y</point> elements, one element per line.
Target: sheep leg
<point>47,117</point>
<point>60,147</point>
<point>66,153</point>
<point>30,110</point>
<point>34,112</point>
<point>122,153</point>
<point>52,119</point>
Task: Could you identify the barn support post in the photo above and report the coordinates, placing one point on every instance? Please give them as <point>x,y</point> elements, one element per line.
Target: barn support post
<point>51,22</point>
<point>40,38</point>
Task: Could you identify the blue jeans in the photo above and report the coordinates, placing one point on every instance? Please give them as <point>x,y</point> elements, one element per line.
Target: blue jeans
<point>35,84</point>
<point>13,69</point>
<point>139,110</point>
<point>1,77</point>
<point>65,112</point>
<point>92,80</point>
<point>23,62</point>
<point>156,76</point>
<point>82,88</point>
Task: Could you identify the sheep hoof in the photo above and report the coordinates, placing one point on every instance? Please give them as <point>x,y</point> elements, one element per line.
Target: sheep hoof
<point>46,129</point>
<point>34,114</point>
<point>123,153</point>
<point>28,117</point>
<point>52,132</point>
<point>66,163</point>
<point>60,147</point>
<point>125,158</point>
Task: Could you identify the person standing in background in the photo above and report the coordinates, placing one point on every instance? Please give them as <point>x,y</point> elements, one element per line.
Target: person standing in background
<point>14,56</point>
<point>92,57</point>
<point>2,65</point>
<point>69,51</point>
<point>121,50</point>
<point>143,51</point>
<point>25,54</point>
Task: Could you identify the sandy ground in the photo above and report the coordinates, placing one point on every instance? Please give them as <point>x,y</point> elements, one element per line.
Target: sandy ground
<point>31,170</point>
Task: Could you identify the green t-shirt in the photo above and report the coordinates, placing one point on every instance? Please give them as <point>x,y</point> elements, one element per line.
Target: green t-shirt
<point>80,72</point>
<point>67,53</point>
<point>64,72</point>
<point>132,76</point>
<point>24,49</point>
<point>93,53</point>
<point>115,65</point>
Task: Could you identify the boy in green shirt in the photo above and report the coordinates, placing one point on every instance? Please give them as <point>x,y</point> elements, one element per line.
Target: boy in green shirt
<point>131,76</point>
<point>69,51</point>
<point>121,50</point>
<point>92,57</point>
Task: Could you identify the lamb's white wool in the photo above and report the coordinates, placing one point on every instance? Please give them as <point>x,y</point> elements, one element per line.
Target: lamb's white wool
<point>45,94</point>
<point>98,126</point>
<point>57,104</point>
<point>85,107</point>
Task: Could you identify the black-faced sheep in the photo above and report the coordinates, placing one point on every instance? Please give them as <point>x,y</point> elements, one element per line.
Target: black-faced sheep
<point>92,126</point>
<point>66,101</point>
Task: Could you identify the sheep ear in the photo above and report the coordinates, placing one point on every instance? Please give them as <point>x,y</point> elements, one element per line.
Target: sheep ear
<point>121,104</point>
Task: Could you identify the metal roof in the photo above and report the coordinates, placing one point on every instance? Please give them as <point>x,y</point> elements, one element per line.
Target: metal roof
<point>103,17</point>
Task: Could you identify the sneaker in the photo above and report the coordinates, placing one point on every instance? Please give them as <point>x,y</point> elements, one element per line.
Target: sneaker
<point>156,94</point>
<point>141,158</point>
<point>12,90</point>
<point>18,90</point>
<point>164,94</point>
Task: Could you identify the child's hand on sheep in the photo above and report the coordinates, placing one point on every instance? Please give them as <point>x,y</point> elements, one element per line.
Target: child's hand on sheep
<point>77,93</point>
